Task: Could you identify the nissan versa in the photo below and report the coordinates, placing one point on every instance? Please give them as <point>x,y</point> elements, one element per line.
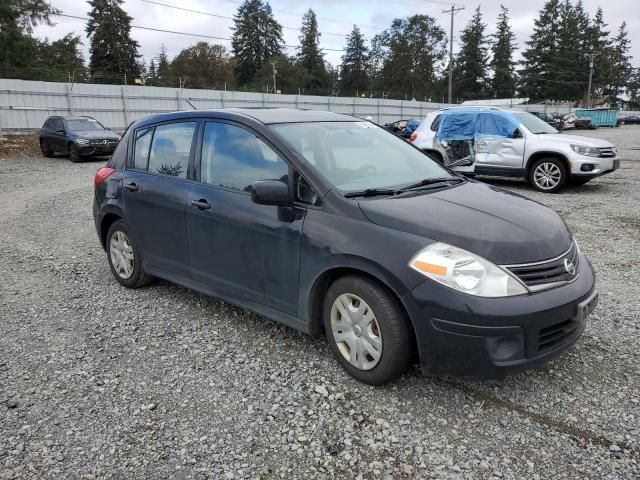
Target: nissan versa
<point>327,223</point>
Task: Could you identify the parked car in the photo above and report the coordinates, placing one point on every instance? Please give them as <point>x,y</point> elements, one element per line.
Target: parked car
<point>403,128</point>
<point>570,121</point>
<point>629,120</point>
<point>77,137</point>
<point>513,143</point>
<point>327,223</point>
<point>554,120</point>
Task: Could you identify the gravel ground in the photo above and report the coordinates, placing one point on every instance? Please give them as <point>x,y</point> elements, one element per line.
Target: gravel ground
<point>97,381</point>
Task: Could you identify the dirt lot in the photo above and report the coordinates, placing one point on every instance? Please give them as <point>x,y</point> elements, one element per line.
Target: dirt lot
<point>97,381</point>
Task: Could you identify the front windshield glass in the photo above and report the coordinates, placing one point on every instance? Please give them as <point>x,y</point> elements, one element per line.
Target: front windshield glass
<point>83,125</point>
<point>356,156</point>
<point>534,124</point>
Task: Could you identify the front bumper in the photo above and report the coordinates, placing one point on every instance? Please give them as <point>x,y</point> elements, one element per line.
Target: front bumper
<point>598,165</point>
<point>97,150</point>
<point>462,335</point>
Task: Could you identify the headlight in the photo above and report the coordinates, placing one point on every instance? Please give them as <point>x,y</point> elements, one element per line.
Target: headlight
<point>586,151</point>
<point>82,141</point>
<point>466,272</point>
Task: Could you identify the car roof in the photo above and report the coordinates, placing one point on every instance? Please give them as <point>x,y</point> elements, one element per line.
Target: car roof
<point>263,115</point>
<point>71,117</point>
<point>480,108</point>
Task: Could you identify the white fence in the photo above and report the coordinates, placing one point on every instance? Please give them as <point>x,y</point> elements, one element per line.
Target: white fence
<point>24,105</point>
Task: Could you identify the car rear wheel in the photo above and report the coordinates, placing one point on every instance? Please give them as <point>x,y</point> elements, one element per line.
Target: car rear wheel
<point>124,257</point>
<point>366,330</point>
<point>74,153</point>
<point>45,148</point>
<point>548,175</point>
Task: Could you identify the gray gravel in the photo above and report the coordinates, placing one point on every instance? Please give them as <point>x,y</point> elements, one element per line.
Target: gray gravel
<point>97,381</point>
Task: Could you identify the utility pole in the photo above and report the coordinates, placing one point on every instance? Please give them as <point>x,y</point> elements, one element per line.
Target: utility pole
<point>591,57</point>
<point>452,11</point>
<point>273,64</point>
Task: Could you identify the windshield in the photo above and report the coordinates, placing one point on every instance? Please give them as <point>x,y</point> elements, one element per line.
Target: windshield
<point>83,125</point>
<point>534,124</point>
<point>356,156</point>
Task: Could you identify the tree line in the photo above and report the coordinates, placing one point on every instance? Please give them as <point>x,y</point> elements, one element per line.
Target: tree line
<point>408,60</point>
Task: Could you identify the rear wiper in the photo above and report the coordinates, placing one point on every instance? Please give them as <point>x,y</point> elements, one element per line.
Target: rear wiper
<point>431,181</point>
<point>371,192</point>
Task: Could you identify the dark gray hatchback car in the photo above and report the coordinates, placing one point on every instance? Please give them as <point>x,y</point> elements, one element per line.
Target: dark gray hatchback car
<point>327,223</point>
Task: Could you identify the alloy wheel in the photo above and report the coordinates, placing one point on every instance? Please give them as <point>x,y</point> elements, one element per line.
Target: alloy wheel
<point>121,252</point>
<point>356,331</point>
<point>547,176</point>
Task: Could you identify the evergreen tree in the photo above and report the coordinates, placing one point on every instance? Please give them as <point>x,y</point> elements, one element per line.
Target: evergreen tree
<point>257,37</point>
<point>164,77</point>
<point>60,60</point>
<point>502,63</point>
<point>17,20</point>
<point>114,54</point>
<point>621,70</point>
<point>152,74</point>
<point>310,55</point>
<point>354,75</point>
<point>290,77</point>
<point>470,73</point>
<point>538,64</point>
<point>204,66</point>
<point>599,44</point>
<point>569,67</point>
<point>405,57</point>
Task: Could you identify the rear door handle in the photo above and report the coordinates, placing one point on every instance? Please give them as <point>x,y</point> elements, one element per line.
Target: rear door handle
<point>201,204</point>
<point>132,187</point>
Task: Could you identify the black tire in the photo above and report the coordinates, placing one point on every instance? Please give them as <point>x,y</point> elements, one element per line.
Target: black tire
<point>74,153</point>
<point>577,181</point>
<point>138,278</point>
<point>45,148</point>
<point>559,166</point>
<point>396,335</point>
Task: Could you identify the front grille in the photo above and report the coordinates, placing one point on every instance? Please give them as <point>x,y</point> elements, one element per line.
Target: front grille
<point>541,275</point>
<point>101,142</point>
<point>554,335</point>
<point>607,152</point>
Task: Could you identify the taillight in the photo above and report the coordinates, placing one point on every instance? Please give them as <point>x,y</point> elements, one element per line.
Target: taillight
<point>413,137</point>
<point>102,175</point>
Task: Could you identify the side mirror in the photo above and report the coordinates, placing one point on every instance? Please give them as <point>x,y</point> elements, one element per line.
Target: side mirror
<point>270,192</point>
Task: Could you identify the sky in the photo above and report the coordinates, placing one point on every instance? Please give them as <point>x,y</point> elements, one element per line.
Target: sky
<point>335,17</point>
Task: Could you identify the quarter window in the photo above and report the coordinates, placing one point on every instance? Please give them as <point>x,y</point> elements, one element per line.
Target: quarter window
<point>233,157</point>
<point>171,149</point>
<point>141,151</point>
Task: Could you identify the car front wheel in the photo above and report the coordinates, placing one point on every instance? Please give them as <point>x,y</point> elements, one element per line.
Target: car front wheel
<point>548,175</point>
<point>367,330</point>
<point>124,257</point>
<point>74,153</point>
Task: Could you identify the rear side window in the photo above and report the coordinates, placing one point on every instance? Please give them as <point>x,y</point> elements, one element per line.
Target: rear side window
<point>171,149</point>
<point>141,149</point>
<point>436,123</point>
<point>233,157</point>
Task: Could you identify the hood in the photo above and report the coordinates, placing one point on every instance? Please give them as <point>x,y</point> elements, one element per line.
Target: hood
<point>501,226</point>
<point>97,134</point>
<point>575,139</point>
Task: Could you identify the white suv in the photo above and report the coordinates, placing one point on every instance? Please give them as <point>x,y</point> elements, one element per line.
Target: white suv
<point>507,142</point>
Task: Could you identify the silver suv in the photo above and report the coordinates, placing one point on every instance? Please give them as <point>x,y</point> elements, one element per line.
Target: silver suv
<point>513,143</point>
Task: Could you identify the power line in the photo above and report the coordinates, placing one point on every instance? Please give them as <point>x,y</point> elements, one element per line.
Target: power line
<point>188,34</point>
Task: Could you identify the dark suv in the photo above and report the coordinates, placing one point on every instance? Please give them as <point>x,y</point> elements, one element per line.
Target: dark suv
<point>325,222</point>
<point>76,136</point>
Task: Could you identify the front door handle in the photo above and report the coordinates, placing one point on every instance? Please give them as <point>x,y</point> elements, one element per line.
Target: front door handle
<point>132,187</point>
<point>201,204</point>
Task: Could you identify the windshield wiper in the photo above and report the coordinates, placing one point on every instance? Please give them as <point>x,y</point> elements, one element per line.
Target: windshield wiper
<point>431,181</point>
<point>371,192</point>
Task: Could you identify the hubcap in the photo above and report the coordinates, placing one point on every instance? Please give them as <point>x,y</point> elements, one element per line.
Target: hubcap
<point>121,253</point>
<point>356,331</point>
<point>547,175</point>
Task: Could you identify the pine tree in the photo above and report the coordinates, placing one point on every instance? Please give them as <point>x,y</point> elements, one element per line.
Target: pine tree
<point>599,44</point>
<point>621,69</point>
<point>502,63</point>
<point>405,57</point>
<point>310,55</point>
<point>17,20</point>
<point>257,37</point>
<point>471,77</point>
<point>114,54</point>
<point>538,64</point>
<point>354,75</point>
<point>61,60</point>
<point>164,77</point>
<point>152,74</point>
